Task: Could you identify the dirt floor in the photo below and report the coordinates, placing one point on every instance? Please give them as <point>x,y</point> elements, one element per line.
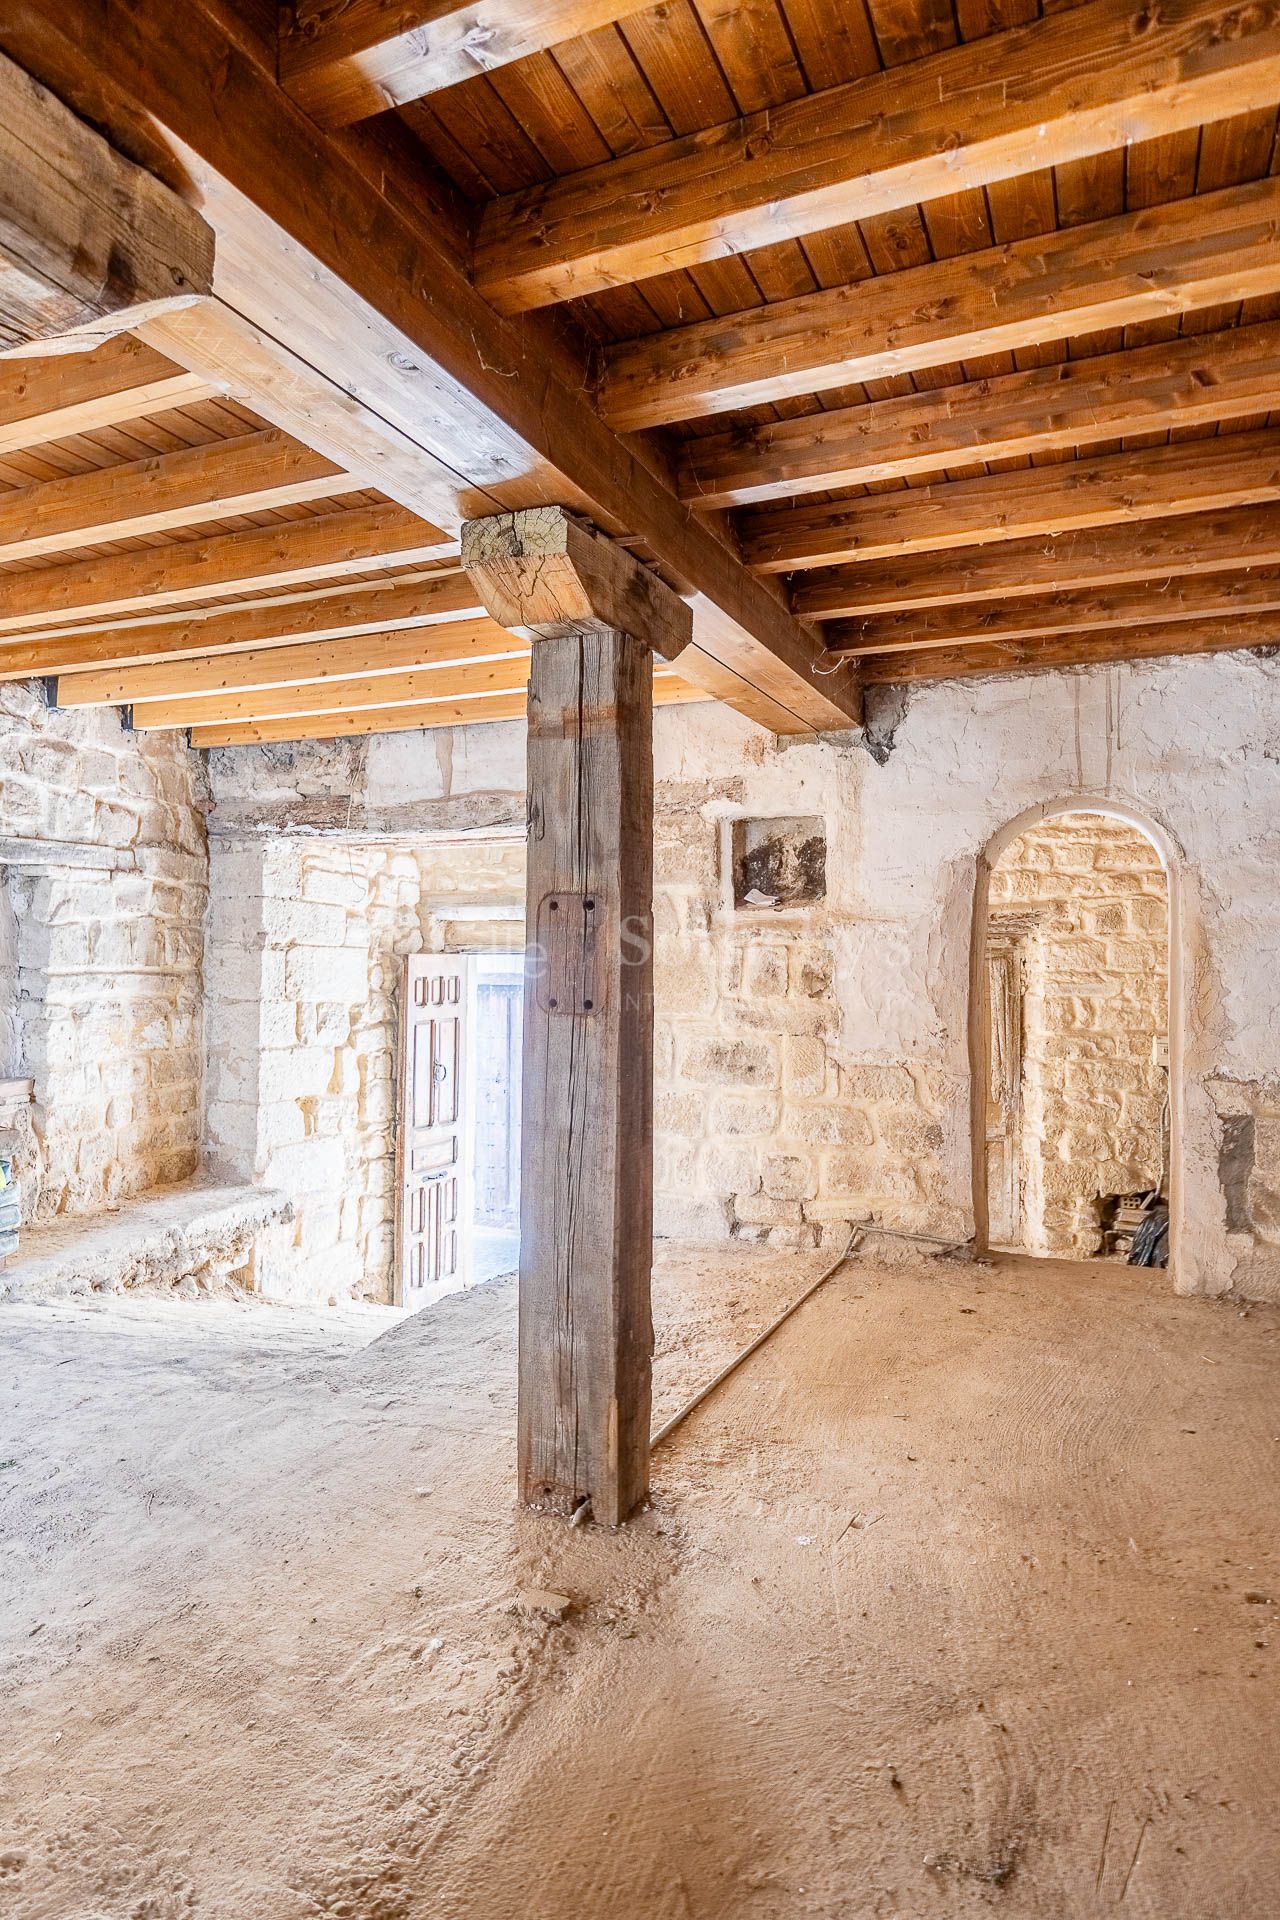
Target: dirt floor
<point>959,1599</point>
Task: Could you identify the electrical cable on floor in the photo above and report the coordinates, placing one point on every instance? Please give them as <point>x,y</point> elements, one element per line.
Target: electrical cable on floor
<point>857,1232</point>
<point>664,1432</point>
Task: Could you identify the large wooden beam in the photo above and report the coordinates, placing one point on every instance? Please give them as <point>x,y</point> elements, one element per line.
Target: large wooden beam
<point>1218,248</point>
<point>1060,89</point>
<point>1199,598</point>
<point>1205,378</point>
<point>302,664</point>
<point>331,255</point>
<point>244,475</point>
<point>586,1176</point>
<point>1010,656</point>
<point>1187,477</point>
<point>43,400</point>
<point>329,547</point>
<point>344,60</point>
<point>336,694</point>
<point>1147,551</point>
<point>89,242</point>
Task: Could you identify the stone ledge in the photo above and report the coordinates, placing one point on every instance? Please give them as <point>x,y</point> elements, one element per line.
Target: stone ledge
<point>191,1238</point>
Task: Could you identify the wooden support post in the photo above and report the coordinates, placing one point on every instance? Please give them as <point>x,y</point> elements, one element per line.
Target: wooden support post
<point>586,1204</point>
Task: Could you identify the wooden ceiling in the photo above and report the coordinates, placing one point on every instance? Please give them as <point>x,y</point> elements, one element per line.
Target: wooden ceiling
<point>163,550</point>
<point>910,312</point>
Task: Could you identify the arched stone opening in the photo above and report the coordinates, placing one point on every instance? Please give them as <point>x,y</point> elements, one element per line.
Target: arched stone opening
<point>1075,1031</point>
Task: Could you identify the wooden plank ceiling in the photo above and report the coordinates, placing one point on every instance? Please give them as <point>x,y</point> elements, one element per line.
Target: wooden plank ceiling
<point>958,320</point>
<point>163,550</point>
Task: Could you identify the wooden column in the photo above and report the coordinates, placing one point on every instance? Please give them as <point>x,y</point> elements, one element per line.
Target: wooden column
<point>586,1199</point>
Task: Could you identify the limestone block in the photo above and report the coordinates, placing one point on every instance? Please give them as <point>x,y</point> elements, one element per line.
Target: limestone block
<point>791,1016</point>
<point>744,1116</point>
<point>327,973</point>
<point>691,1217</point>
<point>831,1124</point>
<point>811,972</point>
<point>846,1173</point>
<point>758,1209</point>
<point>871,1081</point>
<point>730,1062</point>
<point>685,852</point>
<point>114,825</point>
<point>804,1065</point>
<point>682,1113</point>
<point>308,1167</point>
<point>334,885</point>
<point>725,1170</point>
<point>683,979</point>
<point>911,1133</point>
<point>789,1176</point>
<point>281,1123</point>
<point>765,972</point>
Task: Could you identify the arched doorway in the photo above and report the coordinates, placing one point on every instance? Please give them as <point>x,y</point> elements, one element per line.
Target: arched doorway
<point>1074,1109</point>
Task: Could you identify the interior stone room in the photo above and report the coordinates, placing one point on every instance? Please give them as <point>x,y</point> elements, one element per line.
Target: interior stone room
<point>639,1047</point>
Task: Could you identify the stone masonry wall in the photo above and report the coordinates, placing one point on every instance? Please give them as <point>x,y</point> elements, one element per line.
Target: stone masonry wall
<point>306,938</point>
<point>762,1130</point>
<point>787,1106</point>
<point>1091,894</point>
<point>104,864</point>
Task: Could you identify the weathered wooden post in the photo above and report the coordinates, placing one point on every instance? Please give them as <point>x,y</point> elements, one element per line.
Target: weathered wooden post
<point>594,614</point>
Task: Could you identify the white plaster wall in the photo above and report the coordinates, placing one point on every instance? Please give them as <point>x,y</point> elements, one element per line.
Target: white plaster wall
<point>1190,748</point>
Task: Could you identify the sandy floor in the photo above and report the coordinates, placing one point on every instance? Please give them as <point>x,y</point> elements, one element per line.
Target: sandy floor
<point>960,1599</point>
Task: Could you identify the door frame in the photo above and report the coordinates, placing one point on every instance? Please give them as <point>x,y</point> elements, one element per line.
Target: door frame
<point>1189,1270</point>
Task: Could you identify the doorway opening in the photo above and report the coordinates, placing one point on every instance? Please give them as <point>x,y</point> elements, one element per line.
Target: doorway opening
<point>458,1134</point>
<point>1076,1135</point>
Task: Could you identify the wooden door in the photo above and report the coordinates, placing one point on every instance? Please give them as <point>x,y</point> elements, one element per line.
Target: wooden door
<point>1004,1093</point>
<point>434,1144</point>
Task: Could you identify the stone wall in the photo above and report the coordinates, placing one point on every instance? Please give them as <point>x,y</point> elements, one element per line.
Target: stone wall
<point>763,1129</point>
<point>103,867</point>
<point>814,1067</point>
<point>306,940</point>
<point>1087,901</point>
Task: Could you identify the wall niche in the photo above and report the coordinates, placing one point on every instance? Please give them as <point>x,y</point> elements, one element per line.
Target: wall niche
<point>777,864</point>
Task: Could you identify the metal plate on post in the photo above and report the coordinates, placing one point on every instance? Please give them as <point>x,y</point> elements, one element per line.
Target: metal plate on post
<point>565,958</point>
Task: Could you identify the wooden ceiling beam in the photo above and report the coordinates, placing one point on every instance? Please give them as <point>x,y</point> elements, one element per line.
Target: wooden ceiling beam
<point>70,393</point>
<point>335,262</point>
<point>1205,378</point>
<point>1186,477</point>
<point>1012,656</point>
<point>1057,90</point>
<point>343,60</point>
<point>328,547</point>
<point>667,691</point>
<point>1200,598</point>
<point>303,664</point>
<point>369,720</point>
<point>1152,550</point>
<point>245,475</point>
<point>90,243</point>
<point>345,726</point>
<point>1217,248</point>
<point>421,600</point>
<point>339,695</point>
